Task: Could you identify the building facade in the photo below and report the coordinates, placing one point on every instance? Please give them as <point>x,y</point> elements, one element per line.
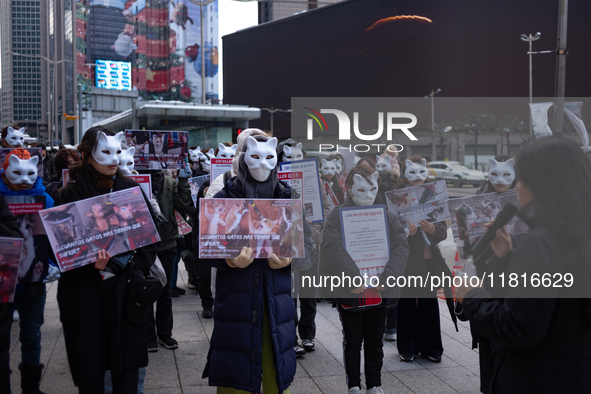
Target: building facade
<point>277,9</point>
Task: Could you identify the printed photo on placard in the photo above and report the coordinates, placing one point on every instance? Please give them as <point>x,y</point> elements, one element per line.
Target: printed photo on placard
<point>34,266</point>
<point>195,183</point>
<point>32,151</point>
<point>145,182</point>
<point>10,256</point>
<point>116,222</point>
<point>158,149</point>
<point>184,227</point>
<point>422,202</point>
<point>516,226</point>
<point>480,210</point>
<point>265,225</point>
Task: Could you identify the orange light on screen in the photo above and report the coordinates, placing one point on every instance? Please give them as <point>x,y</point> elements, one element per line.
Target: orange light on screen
<point>398,17</point>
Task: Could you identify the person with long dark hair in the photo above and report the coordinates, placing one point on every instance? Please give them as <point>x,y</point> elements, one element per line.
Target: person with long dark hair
<point>533,327</point>
<point>98,330</point>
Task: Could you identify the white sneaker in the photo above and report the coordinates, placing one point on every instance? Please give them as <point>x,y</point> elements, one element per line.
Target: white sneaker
<point>390,337</point>
<point>375,390</point>
<point>355,390</point>
<point>15,316</point>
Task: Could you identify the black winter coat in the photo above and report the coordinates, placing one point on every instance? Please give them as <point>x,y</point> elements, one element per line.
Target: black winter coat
<point>335,260</point>
<point>8,225</point>
<point>535,335</point>
<point>235,354</point>
<point>80,296</point>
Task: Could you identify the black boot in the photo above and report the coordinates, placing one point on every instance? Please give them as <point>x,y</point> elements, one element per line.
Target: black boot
<point>30,378</point>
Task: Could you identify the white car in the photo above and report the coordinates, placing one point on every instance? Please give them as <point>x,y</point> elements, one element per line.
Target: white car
<point>457,173</point>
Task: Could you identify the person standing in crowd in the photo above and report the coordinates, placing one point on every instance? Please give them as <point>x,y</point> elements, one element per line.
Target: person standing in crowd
<point>98,331</point>
<point>391,153</point>
<point>253,296</point>
<point>13,137</point>
<point>363,323</point>
<point>30,294</point>
<point>48,162</point>
<point>64,159</point>
<point>531,327</point>
<point>328,170</point>
<point>169,195</point>
<point>418,324</point>
<point>290,150</point>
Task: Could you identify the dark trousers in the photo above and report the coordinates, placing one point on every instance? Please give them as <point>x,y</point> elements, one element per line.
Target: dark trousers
<point>306,323</point>
<point>363,328</point>
<point>419,328</point>
<point>204,291</point>
<point>5,324</point>
<point>161,326</point>
<point>391,322</point>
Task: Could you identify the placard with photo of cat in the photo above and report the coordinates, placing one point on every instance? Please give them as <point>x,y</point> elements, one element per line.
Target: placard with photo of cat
<point>267,226</point>
<point>480,210</point>
<point>158,149</point>
<point>422,202</point>
<point>11,251</point>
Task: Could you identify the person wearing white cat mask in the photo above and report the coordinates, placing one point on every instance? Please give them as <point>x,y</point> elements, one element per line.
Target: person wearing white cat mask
<point>259,287</point>
<point>126,161</point>
<point>418,327</point>
<point>226,152</point>
<point>328,171</point>
<point>13,137</point>
<point>387,181</point>
<point>501,175</point>
<point>362,311</point>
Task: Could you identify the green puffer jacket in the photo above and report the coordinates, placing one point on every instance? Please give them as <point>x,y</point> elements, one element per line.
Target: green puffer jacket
<point>174,195</point>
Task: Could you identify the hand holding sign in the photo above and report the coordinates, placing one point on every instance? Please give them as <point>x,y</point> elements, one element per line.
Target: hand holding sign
<point>243,260</point>
<point>102,259</point>
<point>276,263</point>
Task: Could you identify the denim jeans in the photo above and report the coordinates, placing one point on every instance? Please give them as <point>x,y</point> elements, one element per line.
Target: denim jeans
<point>30,307</point>
<point>140,382</point>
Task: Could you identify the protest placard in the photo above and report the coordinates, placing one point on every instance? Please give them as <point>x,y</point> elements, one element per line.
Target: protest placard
<point>195,184</point>
<point>116,222</point>
<point>294,179</point>
<point>265,225</point>
<point>422,202</point>
<point>145,182</point>
<point>480,210</point>
<point>184,227</point>
<point>158,149</point>
<point>10,256</point>
<point>516,226</point>
<point>35,262</point>
<point>32,151</point>
<point>219,166</point>
<point>312,196</point>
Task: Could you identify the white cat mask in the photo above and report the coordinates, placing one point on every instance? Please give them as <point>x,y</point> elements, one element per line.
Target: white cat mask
<point>339,165</point>
<point>227,152</point>
<point>194,154</point>
<point>293,153</point>
<point>416,171</point>
<point>107,148</point>
<point>328,167</point>
<point>501,173</point>
<point>126,160</point>
<point>364,192</point>
<point>383,163</point>
<point>15,137</point>
<point>260,157</point>
<point>22,171</point>
<point>205,160</point>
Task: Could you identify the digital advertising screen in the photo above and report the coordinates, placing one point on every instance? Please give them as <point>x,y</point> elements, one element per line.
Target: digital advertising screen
<point>113,75</point>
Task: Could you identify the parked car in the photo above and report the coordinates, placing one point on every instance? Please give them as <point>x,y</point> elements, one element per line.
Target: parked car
<point>453,171</point>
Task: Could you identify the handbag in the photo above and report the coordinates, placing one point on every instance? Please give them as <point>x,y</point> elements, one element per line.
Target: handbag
<point>157,271</point>
<point>142,291</point>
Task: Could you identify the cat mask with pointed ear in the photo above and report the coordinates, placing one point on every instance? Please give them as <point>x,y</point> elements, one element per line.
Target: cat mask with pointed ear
<point>204,161</point>
<point>383,163</point>
<point>260,157</point>
<point>416,171</point>
<point>328,167</point>
<point>107,148</point>
<point>293,153</point>
<point>194,154</point>
<point>21,171</point>
<point>501,173</point>
<point>339,165</point>
<point>227,152</point>
<point>126,160</point>
<point>15,137</point>
<point>210,153</point>
<point>364,192</point>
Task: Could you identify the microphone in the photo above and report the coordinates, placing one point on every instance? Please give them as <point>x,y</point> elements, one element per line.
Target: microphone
<point>506,214</point>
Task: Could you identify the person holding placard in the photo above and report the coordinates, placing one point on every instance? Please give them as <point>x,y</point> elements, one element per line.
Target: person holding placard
<point>20,179</point>
<point>104,329</point>
<point>253,296</point>
<point>328,171</point>
<point>363,309</point>
<point>418,325</point>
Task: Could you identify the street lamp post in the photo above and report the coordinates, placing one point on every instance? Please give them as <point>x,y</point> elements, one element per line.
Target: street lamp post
<point>530,39</point>
<point>272,111</point>
<point>432,95</point>
<point>201,4</point>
